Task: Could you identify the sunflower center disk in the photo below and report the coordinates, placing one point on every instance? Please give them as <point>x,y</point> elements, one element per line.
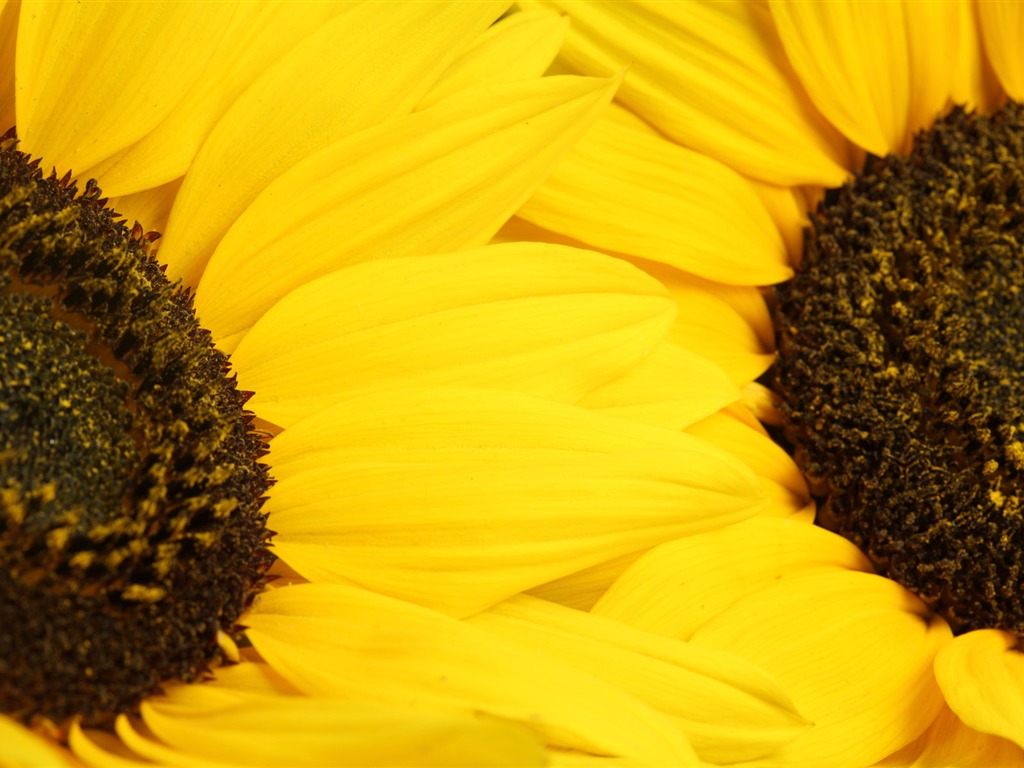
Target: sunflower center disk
<point>130,488</point>
<point>901,354</point>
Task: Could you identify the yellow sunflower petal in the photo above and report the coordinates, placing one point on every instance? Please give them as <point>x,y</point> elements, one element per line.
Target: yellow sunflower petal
<point>627,190</point>
<point>1002,29</point>
<point>457,499</point>
<point>706,75</point>
<point>729,709</point>
<point>91,79</point>
<point>789,212</point>
<point>678,587</point>
<point>151,207</point>
<point>974,82</point>
<point>982,677</point>
<point>581,590</point>
<point>931,27</point>
<point>948,742</point>
<point>544,319</point>
<point>8,37</point>
<point>727,325</point>
<point>257,36</point>
<point>854,651</point>
<point>377,194</point>
<point>365,66</point>
<point>100,749</point>
<point>520,46</point>
<point>779,475</point>
<point>21,748</point>
<point>359,643</point>
<point>853,60</point>
<point>671,387</point>
<point>301,731</point>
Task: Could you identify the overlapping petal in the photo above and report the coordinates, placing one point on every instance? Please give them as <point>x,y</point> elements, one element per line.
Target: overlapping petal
<point>948,742</point>
<point>731,711</point>
<point>519,46</point>
<point>360,643</point>
<point>854,651</point>
<point>706,75</point>
<point>548,320</point>
<point>981,675</point>
<point>457,499</point>
<point>626,189</point>
<point>91,80</point>
<point>1002,29</point>
<point>678,587</point>
<point>24,749</point>
<point>365,66</point>
<point>871,67</point>
<point>376,193</point>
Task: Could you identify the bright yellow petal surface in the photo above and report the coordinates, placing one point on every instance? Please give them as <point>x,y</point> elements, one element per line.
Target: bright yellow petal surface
<point>581,590</point>
<point>974,82</point>
<point>21,748</point>
<point>1002,29</point>
<point>8,38</point>
<point>789,212</point>
<point>544,319</point>
<point>300,731</point>
<point>727,325</point>
<point>370,64</point>
<point>627,190</point>
<point>520,46</point>
<point>671,387</point>
<point>853,59</point>
<point>729,709</point>
<point>457,499</point>
<point>101,749</point>
<point>784,485</point>
<point>931,27</point>
<point>257,36</point>
<point>708,75</point>
<point>151,207</point>
<point>854,651</point>
<point>678,587</point>
<point>981,674</point>
<point>93,78</point>
<point>360,644</point>
<point>948,742</point>
<point>438,180</point>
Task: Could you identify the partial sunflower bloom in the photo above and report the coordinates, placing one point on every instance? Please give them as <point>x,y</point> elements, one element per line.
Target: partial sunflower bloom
<point>435,424</point>
<point>898,352</point>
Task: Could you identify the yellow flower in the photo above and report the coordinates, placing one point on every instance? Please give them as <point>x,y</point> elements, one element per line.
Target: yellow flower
<point>732,120</point>
<point>450,422</point>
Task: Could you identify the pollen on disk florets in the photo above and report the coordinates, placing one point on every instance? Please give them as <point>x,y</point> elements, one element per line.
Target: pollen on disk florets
<point>130,487</point>
<point>901,360</point>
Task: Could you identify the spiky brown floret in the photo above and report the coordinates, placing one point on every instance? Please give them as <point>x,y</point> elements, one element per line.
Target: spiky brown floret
<point>130,487</point>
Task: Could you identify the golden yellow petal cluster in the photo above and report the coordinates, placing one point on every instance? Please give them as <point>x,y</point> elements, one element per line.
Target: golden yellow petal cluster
<point>784,99</point>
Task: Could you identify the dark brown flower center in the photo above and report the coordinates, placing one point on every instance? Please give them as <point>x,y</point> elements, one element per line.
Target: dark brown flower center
<point>130,488</point>
<point>901,358</point>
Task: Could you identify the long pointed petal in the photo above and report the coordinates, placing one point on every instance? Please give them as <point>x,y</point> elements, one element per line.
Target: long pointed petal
<point>1002,29</point>
<point>982,677</point>
<point>91,79</point>
<point>854,650</point>
<point>438,180</point>
<point>729,709</point>
<point>459,499</point>
<point>370,64</point>
<point>357,643</point>
<point>519,47</point>
<point>633,191</point>
<point>718,569</point>
<point>949,742</point>
<point>543,319</point>
<point>706,74</point>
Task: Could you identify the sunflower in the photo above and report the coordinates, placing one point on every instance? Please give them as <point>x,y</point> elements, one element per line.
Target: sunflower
<point>870,155</point>
<point>437,424</point>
